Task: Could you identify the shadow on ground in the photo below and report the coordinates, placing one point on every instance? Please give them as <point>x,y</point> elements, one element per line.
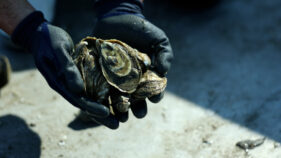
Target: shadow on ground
<point>17,140</point>
<point>228,59</point>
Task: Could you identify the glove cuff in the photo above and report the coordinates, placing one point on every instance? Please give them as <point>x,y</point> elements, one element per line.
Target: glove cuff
<point>24,31</point>
<point>107,8</point>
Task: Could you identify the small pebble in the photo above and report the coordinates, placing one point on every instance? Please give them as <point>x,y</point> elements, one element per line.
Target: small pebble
<point>32,124</point>
<point>54,97</point>
<point>250,144</point>
<point>61,143</point>
<point>205,141</point>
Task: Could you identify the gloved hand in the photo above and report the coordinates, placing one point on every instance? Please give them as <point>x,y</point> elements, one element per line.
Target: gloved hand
<point>123,20</point>
<point>51,47</point>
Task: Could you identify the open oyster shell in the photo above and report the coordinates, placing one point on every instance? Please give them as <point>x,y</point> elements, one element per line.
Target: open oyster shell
<point>115,73</point>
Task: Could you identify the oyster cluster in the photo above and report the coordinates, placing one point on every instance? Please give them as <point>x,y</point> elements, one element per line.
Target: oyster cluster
<point>115,74</point>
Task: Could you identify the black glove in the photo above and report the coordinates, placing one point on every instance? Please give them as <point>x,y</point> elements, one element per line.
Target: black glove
<point>51,47</point>
<point>123,20</point>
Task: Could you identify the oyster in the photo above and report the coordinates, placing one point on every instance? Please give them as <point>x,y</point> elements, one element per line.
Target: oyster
<point>119,64</point>
<point>151,84</point>
<point>86,59</point>
<point>121,102</point>
<point>114,73</point>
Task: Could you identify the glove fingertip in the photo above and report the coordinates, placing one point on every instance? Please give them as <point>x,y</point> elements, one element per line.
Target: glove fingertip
<point>140,114</point>
<point>114,126</point>
<point>100,112</point>
<point>123,117</point>
<point>156,98</point>
<point>95,109</point>
<point>109,122</point>
<point>163,62</point>
<point>139,109</point>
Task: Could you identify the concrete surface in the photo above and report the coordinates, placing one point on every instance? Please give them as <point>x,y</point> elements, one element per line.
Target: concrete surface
<point>224,87</point>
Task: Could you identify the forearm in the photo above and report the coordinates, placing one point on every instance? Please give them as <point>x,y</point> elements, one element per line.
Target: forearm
<point>12,12</point>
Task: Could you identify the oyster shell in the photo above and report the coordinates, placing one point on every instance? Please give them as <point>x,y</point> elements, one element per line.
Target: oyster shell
<point>114,73</point>
<point>121,102</point>
<point>86,59</point>
<point>150,85</point>
<point>119,64</point>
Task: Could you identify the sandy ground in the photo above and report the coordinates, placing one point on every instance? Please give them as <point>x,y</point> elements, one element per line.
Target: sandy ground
<point>224,87</point>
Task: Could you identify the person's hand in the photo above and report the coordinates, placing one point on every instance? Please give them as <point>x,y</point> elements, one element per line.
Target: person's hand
<point>51,47</point>
<point>123,20</point>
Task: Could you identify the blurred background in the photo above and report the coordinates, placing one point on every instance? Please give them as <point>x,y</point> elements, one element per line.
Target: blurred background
<point>223,87</point>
